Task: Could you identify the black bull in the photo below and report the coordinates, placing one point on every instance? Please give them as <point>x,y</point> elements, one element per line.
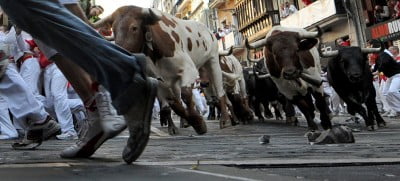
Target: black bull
<point>262,90</point>
<point>350,75</point>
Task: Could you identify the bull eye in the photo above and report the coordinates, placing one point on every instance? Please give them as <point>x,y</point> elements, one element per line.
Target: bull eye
<point>134,28</point>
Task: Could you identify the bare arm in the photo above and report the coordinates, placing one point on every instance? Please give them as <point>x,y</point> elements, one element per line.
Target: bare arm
<point>77,11</point>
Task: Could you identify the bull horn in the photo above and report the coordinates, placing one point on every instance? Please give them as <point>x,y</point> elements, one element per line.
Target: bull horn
<point>257,44</point>
<point>109,38</point>
<point>311,80</point>
<point>230,76</point>
<point>310,34</point>
<point>264,76</point>
<point>226,52</point>
<point>107,21</point>
<point>371,50</point>
<point>332,53</point>
<point>151,15</point>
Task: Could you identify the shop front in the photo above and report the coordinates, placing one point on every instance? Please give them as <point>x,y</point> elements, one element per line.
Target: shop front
<point>388,32</point>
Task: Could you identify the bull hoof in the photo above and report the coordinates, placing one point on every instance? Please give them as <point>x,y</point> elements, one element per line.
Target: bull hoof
<point>234,123</point>
<point>382,125</point>
<point>292,121</point>
<point>371,128</point>
<point>312,135</point>
<point>223,124</point>
<point>224,121</point>
<point>173,130</point>
<point>198,124</point>
<point>269,116</point>
<point>184,123</point>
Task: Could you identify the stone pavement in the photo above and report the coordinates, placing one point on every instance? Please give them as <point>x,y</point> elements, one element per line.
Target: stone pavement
<point>238,146</point>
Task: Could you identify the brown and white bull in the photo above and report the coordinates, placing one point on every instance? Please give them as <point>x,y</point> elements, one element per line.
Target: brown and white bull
<point>235,86</point>
<point>178,48</point>
<point>294,65</point>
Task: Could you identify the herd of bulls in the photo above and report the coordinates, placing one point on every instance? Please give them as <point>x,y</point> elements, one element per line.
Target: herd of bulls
<point>181,51</point>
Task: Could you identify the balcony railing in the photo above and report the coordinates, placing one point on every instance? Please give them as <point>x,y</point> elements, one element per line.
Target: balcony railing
<point>183,5</point>
<point>314,13</point>
<point>216,3</point>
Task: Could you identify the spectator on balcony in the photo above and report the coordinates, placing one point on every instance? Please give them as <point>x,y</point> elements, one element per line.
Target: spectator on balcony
<point>287,9</point>
<point>227,29</point>
<point>381,13</point>
<point>391,4</point>
<point>221,33</point>
<point>396,13</point>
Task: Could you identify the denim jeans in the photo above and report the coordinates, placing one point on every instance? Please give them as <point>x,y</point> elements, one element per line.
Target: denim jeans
<point>52,23</point>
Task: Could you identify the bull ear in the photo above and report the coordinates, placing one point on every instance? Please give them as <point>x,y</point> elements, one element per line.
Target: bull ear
<point>307,43</point>
<point>151,16</point>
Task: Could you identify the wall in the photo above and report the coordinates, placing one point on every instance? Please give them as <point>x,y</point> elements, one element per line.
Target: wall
<point>224,13</point>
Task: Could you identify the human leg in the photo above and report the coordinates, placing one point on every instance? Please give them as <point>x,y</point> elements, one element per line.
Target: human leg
<point>114,68</point>
<point>393,94</point>
<point>57,93</point>
<point>24,106</point>
<point>7,129</point>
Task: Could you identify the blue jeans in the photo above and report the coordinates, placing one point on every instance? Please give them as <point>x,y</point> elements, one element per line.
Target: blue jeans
<point>52,23</point>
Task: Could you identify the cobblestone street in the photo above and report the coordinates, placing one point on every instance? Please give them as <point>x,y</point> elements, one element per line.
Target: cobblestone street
<point>234,146</point>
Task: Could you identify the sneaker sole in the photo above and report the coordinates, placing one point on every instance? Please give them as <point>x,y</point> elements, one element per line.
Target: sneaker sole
<point>129,155</point>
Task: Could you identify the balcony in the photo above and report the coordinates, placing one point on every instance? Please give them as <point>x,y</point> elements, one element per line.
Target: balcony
<point>184,5</point>
<point>216,3</point>
<point>322,12</point>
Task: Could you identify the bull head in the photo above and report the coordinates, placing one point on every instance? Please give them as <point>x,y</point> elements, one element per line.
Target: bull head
<point>131,26</point>
<point>335,53</point>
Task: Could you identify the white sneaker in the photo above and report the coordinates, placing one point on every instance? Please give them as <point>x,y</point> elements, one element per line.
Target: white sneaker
<point>103,123</point>
<point>110,120</point>
<point>67,136</point>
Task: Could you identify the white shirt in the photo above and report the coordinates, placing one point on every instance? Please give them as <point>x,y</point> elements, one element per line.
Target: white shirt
<point>11,39</point>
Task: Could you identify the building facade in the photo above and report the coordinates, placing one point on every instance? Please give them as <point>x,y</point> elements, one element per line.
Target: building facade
<point>385,28</point>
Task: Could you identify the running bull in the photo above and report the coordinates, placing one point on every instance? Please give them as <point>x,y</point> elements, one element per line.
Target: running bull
<point>235,86</point>
<point>351,77</point>
<point>262,90</point>
<point>294,65</point>
<point>177,48</point>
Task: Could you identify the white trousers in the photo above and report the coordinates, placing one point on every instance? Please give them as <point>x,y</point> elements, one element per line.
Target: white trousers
<point>393,93</point>
<point>198,100</point>
<point>7,129</point>
<point>19,97</point>
<point>55,87</point>
<point>384,87</point>
<point>337,103</point>
<point>379,96</point>
<point>30,71</point>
